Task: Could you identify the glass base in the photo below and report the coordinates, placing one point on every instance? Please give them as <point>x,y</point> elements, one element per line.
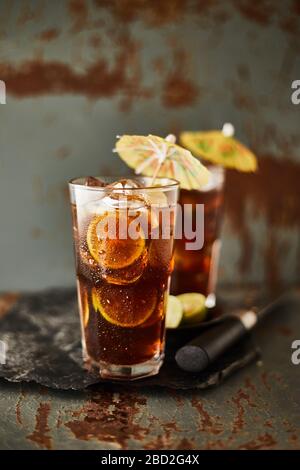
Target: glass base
<point>127,372</point>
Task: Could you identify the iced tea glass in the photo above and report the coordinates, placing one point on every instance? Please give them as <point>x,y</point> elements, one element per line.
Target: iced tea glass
<point>123,237</point>
<point>196,270</point>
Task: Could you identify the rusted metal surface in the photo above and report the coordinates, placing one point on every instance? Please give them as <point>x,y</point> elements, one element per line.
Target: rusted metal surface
<point>263,193</point>
<point>257,408</point>
<point>80,72</point>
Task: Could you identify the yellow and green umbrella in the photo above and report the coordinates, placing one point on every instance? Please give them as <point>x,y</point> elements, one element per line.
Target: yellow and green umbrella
<point>220,148</point>
<point>157,157</point>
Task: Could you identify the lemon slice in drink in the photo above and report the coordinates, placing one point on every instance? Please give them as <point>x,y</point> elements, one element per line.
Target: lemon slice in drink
<point>125,306</point>
<point>114,252</point>
<point>194,309</point>
<point>128,275</point>
<point>174,312</point>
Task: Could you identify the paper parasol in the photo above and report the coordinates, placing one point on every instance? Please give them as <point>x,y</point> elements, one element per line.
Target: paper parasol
<point>220,148</point>
<point>157,157</point>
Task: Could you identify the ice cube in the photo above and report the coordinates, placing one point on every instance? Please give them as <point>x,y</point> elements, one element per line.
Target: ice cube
<point>123,195</point>
<point>123,200</point>
<point>94,182</point>
<point>115,196</point>
<point>96,207</point>
<point>125,184</point>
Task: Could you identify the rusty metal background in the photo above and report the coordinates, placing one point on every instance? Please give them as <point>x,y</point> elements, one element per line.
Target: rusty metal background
<point>257,408</point>
<point>79,72</point>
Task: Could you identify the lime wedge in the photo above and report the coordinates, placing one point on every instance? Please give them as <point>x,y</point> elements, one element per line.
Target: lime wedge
<point>194,309</point>
<point>174,312</point>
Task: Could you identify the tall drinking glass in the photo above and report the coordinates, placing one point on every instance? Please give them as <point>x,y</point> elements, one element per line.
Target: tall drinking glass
<point>123,236</point>
<point>196,270</point>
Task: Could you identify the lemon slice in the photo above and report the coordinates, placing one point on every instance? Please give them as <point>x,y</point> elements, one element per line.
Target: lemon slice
<point>174,312</point>
<point>125,306</point>
<point>128,275</point>
<point>194,309</point>
<point>114,253</point>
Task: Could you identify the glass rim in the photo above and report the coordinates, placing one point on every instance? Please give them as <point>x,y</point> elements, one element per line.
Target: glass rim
<point>171,183</point>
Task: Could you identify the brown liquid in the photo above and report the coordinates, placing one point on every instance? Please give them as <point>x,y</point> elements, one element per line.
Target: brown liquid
<point>194,269</point>
<point>122,308</point>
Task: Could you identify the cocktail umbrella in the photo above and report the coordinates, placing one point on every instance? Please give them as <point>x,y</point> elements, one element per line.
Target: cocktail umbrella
<point>157,157</point>
<point>220,148</point>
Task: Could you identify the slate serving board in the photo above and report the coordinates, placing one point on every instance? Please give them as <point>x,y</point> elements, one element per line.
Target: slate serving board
<point>43,337</point>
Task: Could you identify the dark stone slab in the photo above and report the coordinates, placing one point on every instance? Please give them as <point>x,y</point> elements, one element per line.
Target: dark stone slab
<point>43,337</point>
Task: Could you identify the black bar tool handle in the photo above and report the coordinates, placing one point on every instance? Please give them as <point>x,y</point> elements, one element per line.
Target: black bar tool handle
<point>206,348</point>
